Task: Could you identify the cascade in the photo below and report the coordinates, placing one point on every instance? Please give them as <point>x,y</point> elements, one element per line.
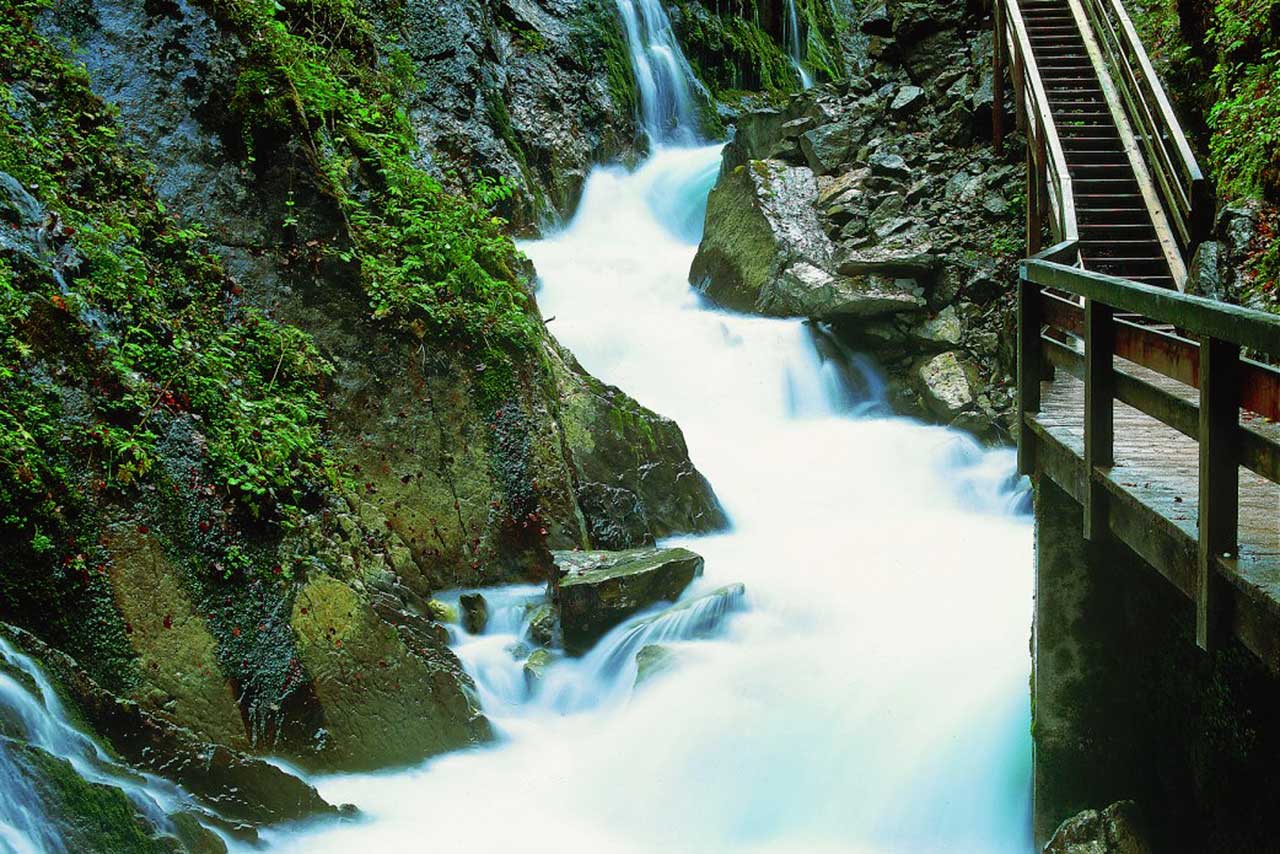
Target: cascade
<point>867,692</point>
<point>30,710</point>
<point>795,45</point>
<point>668,89</point>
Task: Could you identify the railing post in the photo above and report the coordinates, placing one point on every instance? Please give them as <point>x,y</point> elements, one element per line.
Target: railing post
<point>1035,178</point>
<point>1030,367</point>
<point>1099,413</point>
<point>1219,481</point>
<point>997,79</point>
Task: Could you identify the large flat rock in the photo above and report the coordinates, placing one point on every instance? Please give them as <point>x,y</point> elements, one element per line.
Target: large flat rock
<point>598,590</point>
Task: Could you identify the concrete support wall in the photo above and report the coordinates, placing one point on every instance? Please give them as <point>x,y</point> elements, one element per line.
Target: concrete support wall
<point>1125,705</point>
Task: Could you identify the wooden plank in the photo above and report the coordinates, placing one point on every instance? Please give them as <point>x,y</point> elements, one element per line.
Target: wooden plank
<point>1257,452</point>
<point>1219,514</point>
<point>1029,369</point>
<point>1099,412</point>
<point>1256,330</point>
<point>1154,505</point>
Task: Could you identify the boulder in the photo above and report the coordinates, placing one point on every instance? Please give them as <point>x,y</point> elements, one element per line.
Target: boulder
<point>543,626</point>
<point>948,383</point>
<point>475,612</point>
<point>385,703</point>
<point>1118,829</point>
<point>598,590</point>
<point>807,291</point>
<point>89,816</point>
<point>761,219</point>
<point>888,165</point>
<point>633,477</point>
<point>907,100</point>
<point>826,148</point>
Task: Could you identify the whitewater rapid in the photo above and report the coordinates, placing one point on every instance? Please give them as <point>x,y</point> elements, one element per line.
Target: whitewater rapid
<point>870,693</point>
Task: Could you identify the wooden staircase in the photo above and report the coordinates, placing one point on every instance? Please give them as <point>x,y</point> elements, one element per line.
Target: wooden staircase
<point>1116,232</point>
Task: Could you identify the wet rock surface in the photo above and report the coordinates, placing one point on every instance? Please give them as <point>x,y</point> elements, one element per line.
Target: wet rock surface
<point>878,208</point>
<point>1118,829</point>
<point>237,786</point>
<point>598,590</point>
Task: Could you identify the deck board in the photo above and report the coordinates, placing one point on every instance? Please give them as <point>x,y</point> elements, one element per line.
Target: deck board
<point>1156,473</point>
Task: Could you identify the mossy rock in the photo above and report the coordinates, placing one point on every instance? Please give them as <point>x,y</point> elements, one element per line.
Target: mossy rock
<point>83,816</point>
<point>652,661</point>
<point>383,704</point>
<point>177,653</point>
<point>635,479</point>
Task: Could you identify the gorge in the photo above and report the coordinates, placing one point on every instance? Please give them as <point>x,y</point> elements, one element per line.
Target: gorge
<point>562,425</point>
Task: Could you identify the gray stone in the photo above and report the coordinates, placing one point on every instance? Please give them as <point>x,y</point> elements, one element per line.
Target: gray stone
<point>807,291</point>
<point>908,100</point>
<point>889,165</point>
<point>948,383</point>
<point>761,219</point>
<point>942,330</point>
<point>826,148</point>
<point>1116,830</point>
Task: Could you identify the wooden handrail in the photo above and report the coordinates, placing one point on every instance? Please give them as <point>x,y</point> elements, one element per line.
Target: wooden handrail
<point>1212,364</point>
<point>1182,187</point>
<point>1047,160</point>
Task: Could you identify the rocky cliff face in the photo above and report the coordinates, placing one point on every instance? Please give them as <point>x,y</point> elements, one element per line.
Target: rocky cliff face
<point>273,382</point>
<point>877,207</point>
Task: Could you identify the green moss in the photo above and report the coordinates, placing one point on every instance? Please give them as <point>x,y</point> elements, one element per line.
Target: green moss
<point>430,260</point>
<point>731,49</point>
<point>598,32</point>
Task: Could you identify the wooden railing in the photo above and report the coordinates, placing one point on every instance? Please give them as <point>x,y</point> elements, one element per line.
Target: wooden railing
<point>1187,198</point>
<point>1073,326</point>
<point>1048,183</point>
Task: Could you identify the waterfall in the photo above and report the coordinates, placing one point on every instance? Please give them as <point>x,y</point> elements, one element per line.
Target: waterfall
<point>32,712</point>
<point>664,81</point>
<point>795,45</point>
<point>864,690</point>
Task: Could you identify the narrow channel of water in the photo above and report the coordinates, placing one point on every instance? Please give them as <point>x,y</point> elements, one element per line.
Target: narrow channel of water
<point>869,693</point>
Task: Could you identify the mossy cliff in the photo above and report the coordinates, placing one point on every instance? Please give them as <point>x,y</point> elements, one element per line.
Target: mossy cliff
<point>739,46</point>
<point>270,379</point>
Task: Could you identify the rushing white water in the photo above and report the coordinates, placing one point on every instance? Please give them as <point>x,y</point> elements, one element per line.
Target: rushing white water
<point>665,84</point>
<point>795,46</point>
<point>869,693</point>
<point>31,710</point>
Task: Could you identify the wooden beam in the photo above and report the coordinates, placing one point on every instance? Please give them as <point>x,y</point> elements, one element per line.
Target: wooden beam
<point>1219,482</point>
<point>997,80</point>
<point>1030,369</point>
<point>1099,413</point>
<point>1172,355</point>
<point>1250,328</point>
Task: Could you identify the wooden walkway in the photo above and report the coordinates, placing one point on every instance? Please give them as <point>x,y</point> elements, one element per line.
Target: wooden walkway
<point>1153,489</point>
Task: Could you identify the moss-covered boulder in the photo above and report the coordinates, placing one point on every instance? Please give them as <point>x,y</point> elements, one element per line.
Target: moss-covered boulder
<point>634,478</point>
<point>760,221</point>
<point>652,661</point>
<point>598,590</point>
<point>383,703</point>
<point>177,654</point>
